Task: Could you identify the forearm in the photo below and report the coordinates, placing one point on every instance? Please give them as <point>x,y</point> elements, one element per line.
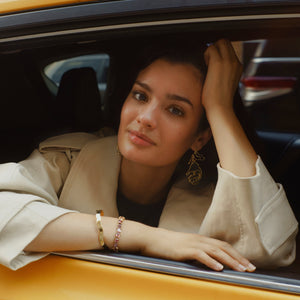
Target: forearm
<point>235,152</point>
<point>77,231</point>
<point>224,70</point>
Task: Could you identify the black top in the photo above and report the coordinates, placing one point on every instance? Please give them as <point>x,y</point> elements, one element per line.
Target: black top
<point>148,214</point>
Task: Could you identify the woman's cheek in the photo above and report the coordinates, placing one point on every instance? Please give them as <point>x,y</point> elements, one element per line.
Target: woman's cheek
<point>127,114</point>
<point>180,139</point>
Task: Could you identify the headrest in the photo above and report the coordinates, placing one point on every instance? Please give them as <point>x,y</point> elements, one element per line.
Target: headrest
<point>78,100</point>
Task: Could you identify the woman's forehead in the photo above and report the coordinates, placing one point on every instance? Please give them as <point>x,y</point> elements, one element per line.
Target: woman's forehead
<point>173,81</point>
<point>172,71</point>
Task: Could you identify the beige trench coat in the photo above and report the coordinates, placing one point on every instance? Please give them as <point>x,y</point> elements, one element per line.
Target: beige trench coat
<point>79,172</point>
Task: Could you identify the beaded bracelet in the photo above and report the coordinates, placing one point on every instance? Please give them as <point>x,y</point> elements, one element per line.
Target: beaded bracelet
<point>100,213</point>
<point>118,234</point>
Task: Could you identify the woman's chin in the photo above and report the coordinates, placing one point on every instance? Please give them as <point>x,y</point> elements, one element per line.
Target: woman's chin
<point>139,156</point>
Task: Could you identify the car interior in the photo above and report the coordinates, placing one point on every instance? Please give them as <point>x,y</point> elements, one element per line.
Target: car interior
<point>35,107</point>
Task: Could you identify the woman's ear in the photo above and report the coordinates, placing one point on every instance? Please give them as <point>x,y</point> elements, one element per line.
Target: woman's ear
<point>202,138</point>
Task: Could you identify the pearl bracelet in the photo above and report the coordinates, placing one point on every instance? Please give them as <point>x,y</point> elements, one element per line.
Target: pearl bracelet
<point>118,234</point>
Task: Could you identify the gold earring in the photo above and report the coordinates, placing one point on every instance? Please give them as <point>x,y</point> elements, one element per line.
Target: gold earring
<point>194,172</point>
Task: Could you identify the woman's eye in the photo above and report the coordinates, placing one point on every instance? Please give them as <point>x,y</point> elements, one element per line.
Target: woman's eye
<point>139,96</point>
<point>176,111</point>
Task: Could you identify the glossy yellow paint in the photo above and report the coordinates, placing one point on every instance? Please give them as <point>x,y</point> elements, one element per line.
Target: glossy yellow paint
<point>65,278</point>
<point>9,6</point>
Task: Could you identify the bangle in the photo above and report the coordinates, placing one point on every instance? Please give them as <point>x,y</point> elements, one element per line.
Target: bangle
<point>118,234</point>
<point>100,213</point>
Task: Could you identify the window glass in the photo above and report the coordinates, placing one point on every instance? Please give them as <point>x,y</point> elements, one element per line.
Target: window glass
<point>270,84</point>
<point>99,62</point>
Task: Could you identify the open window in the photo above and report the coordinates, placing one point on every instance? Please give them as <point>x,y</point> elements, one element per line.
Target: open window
<point>34,63</point>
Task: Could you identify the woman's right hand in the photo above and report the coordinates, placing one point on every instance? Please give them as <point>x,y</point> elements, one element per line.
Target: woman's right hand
<point>179,246</point>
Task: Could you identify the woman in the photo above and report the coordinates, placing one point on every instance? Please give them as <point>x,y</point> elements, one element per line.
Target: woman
<point>248,219</point>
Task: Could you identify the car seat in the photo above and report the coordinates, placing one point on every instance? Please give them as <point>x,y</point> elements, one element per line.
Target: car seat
<point>78,101</point>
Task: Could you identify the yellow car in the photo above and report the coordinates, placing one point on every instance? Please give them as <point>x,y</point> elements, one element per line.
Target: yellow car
<point>40,41</point>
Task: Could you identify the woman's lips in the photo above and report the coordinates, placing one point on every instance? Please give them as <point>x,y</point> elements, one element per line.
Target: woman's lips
<point>140,139</point>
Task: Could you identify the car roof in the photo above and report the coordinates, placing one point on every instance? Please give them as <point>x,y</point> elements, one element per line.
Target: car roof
<point>32,17</point>
<point>10,6</point>
<point>14,6</point>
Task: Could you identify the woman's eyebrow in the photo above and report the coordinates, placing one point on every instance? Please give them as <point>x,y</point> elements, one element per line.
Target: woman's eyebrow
<point>144,85</point>
<point>179,98</point>
<point>169,96</point>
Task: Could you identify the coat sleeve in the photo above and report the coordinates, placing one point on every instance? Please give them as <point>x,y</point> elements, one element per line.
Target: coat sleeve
<point>28,202</point>
<point>29,193</point>
<point>254,215</point>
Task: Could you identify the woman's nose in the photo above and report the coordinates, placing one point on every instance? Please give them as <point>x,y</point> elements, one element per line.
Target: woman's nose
<point>148,116</point>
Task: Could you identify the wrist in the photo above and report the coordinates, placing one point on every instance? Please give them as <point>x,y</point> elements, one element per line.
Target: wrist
<point>133,237</point>
<point>219,111</point>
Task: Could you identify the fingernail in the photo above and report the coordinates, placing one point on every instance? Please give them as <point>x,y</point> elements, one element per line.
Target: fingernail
<point>242,268</point>
<point>219,267</point>
<point>251,267</point>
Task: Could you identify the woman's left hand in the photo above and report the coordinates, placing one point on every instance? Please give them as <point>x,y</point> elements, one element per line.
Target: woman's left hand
<point>223,74</point>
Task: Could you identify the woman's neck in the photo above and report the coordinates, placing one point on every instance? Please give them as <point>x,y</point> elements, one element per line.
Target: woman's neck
<point>144,184</point>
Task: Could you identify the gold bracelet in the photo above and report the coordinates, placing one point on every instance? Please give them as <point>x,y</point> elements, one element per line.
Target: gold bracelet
<point>100,213</point>
<point>118,234</point>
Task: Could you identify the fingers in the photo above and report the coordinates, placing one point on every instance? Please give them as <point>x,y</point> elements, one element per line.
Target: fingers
<point>212,52</point>
<point>222,52</point>
<point>178,246</point>
<point>224,49</point>
<point>209,261</point>
<point>227,259</point>
<point>215,254</point>
<point>216,259</point>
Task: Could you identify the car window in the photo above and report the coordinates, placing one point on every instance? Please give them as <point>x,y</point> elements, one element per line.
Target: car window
<point>98,62</point>
<point>270,92</point>
<point>270,84</point>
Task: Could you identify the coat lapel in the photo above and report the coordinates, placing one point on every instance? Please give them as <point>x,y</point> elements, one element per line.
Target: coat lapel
<point>93,180</point>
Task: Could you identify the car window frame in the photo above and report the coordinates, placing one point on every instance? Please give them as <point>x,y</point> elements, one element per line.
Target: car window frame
<point>190,270</point>
<point>14,37</point>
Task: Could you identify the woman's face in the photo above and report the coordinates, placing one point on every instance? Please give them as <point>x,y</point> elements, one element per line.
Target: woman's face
<point>160,116</point>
